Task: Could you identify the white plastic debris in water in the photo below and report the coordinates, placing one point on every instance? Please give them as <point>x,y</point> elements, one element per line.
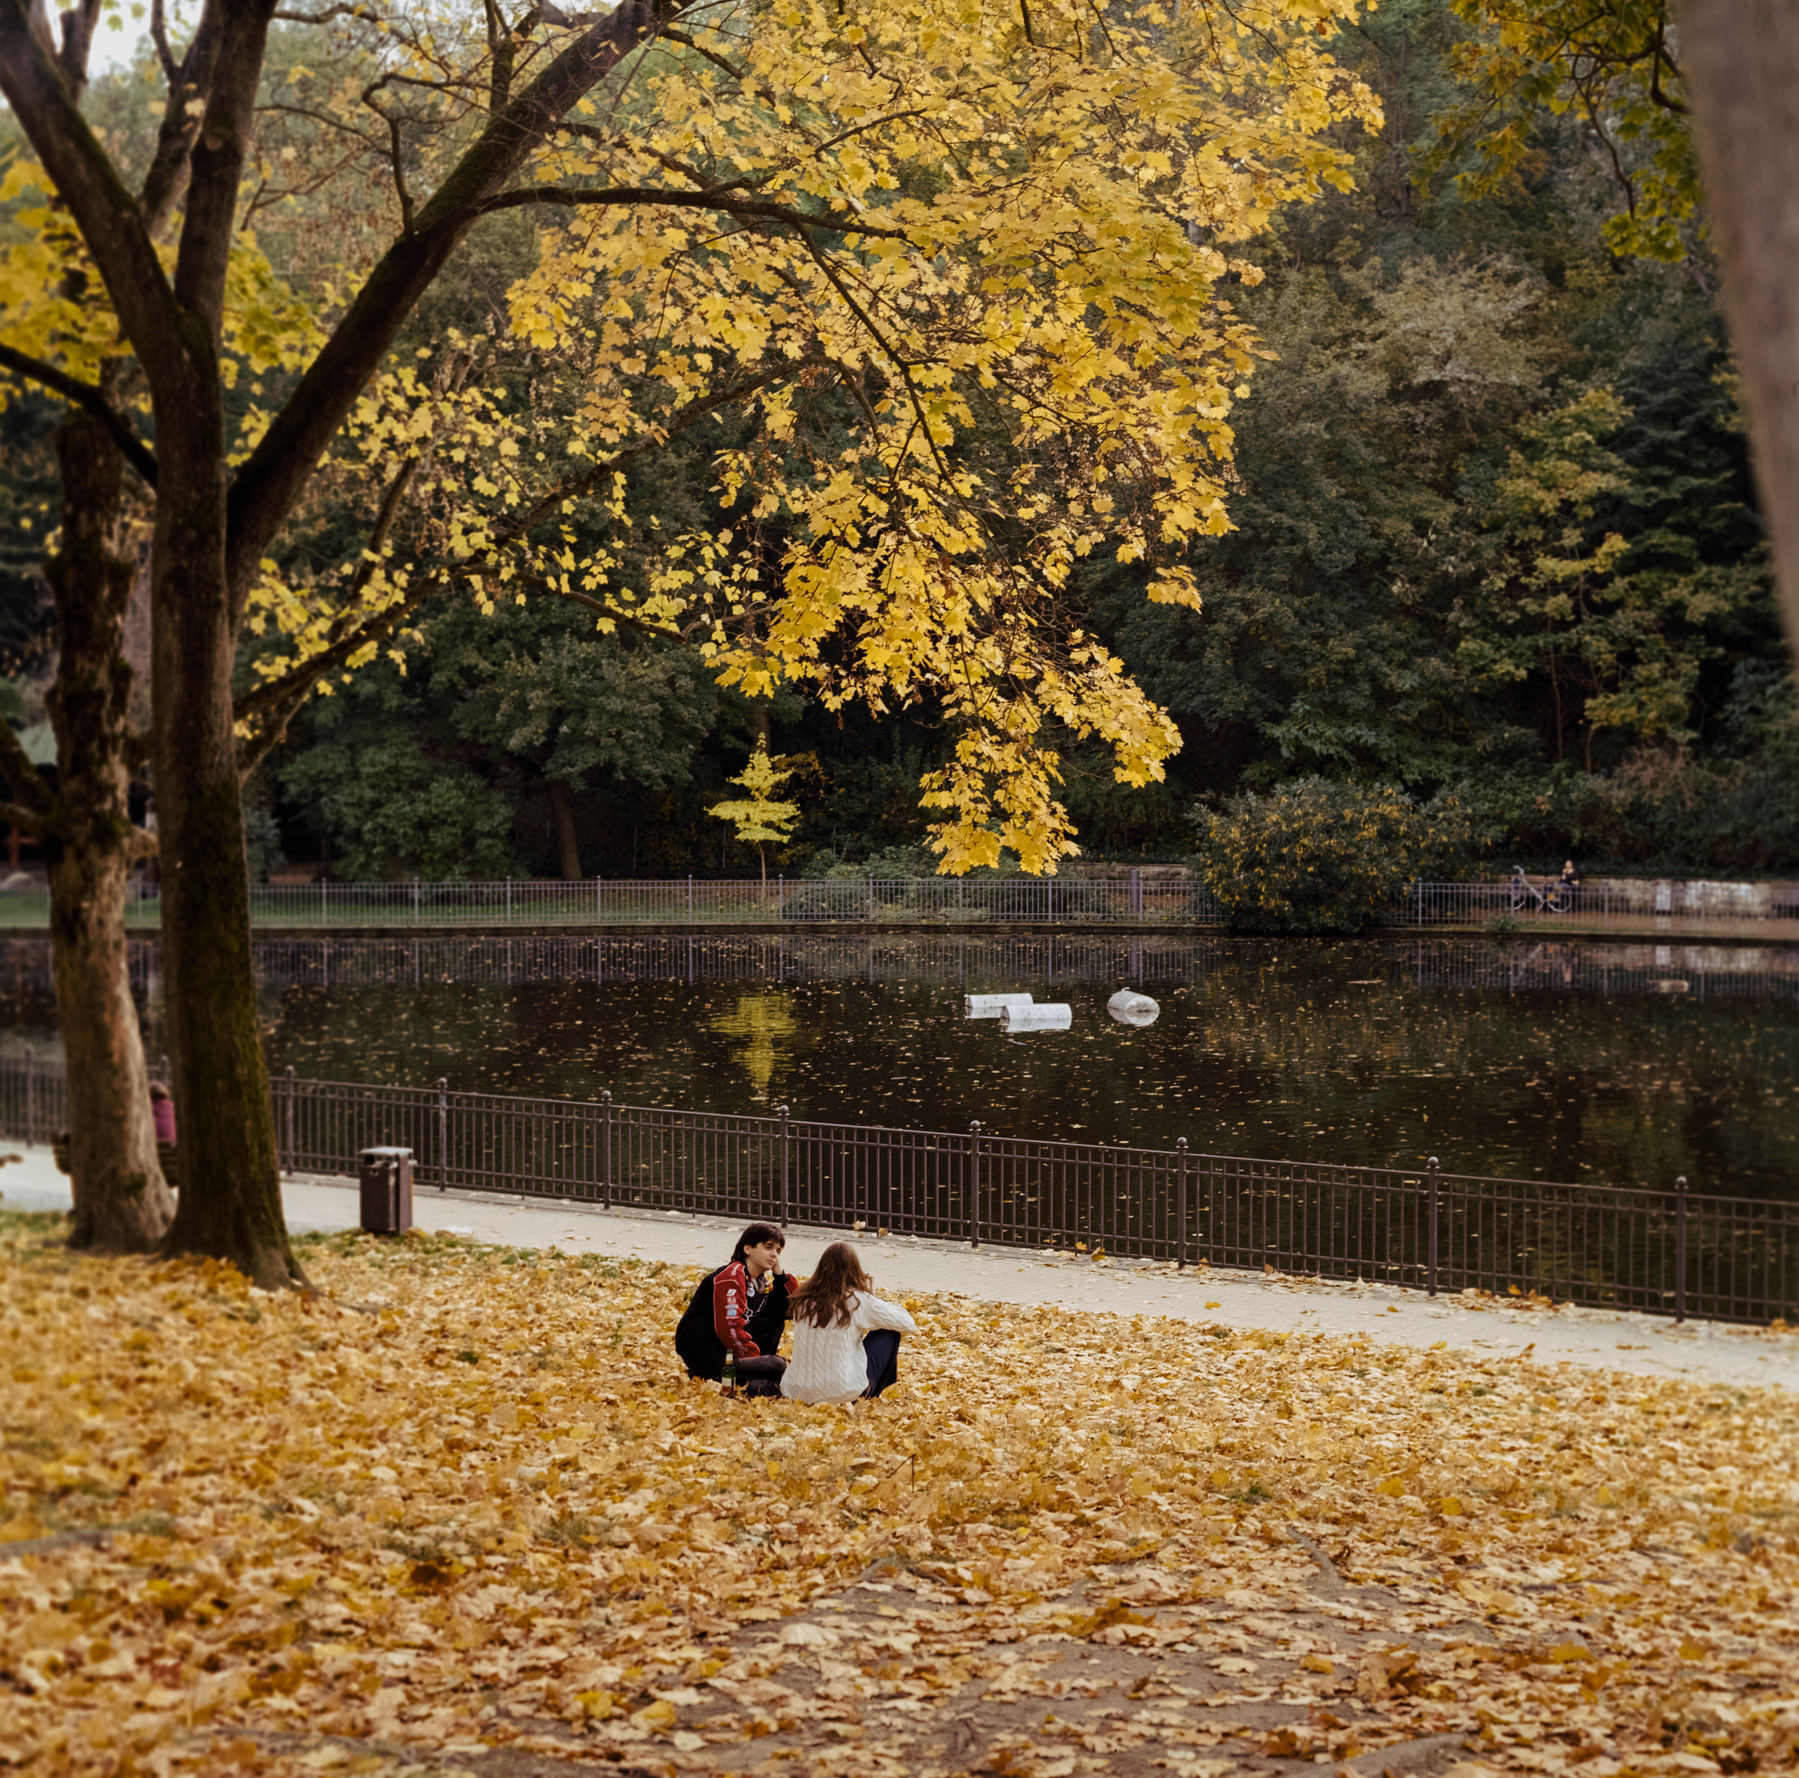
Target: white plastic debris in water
<point>990,1006</point>
<point>1036,1018</point>
<point>1129,1007</point>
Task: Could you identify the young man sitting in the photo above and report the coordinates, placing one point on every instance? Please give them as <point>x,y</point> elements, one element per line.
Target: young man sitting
<point>741,1309</point>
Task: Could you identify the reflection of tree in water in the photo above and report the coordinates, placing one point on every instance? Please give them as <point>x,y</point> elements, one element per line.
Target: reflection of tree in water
<point>763,1021</point>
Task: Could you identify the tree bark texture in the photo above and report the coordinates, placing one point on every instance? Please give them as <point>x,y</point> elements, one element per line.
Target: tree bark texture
<point>230,1204</point>
<point>1742,65</point>
<point>122,1203</point>
<point>563,808</point>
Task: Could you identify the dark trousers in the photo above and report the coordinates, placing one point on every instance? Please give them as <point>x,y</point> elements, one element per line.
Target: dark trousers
<point>880,1347</point>
<point>761,1376</point>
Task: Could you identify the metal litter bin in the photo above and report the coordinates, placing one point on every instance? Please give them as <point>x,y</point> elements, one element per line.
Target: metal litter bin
<point>385,1178</point>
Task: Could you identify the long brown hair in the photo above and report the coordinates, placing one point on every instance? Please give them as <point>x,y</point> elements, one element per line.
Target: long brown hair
<point>824,1299</point>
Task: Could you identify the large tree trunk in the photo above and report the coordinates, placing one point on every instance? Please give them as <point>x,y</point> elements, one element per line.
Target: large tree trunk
<point>1742,64</point>
<point>566,846</point>
<point>230,1173</point>
<point>122,1204</point>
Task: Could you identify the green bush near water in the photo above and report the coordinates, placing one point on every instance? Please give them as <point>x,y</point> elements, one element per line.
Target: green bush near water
<point>1321,857</point>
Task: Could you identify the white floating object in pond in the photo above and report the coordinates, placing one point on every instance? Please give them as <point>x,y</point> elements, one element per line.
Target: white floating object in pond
<point>1669,985</point>
<point>1129,1007</point>
<point>990,1006</point>
<point>1036,1018</point>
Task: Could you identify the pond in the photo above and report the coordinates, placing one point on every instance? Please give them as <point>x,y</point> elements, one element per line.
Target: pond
<point>1581,1062</point>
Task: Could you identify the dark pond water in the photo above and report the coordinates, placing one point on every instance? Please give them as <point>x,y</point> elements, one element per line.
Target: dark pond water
<point>1621,1064</point>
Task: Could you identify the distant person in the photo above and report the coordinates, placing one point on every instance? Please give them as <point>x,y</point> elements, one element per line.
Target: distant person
<point>846,1340</point>
<point>162,1113</point>
<point>741,1309</point>
<point>1570,876</point>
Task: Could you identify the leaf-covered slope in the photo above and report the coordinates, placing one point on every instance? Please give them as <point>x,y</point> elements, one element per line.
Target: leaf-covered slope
<point>464,1500</point>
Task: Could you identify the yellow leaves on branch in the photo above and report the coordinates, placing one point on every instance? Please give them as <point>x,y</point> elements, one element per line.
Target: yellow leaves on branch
<point>468,1490</point>
<point>961,269</point>
<point>759,818</point>
<point>968,280</point>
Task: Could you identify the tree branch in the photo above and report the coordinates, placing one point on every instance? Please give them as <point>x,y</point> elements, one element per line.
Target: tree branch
<point>717,198</point>
<point>112,225</point>
<point>22,777</point>
<point>88,398</point>
<point>25,820</point>
<point>275,701</point>
<point>326,16</point>
<point>278,469</point>
<point>618,617</point>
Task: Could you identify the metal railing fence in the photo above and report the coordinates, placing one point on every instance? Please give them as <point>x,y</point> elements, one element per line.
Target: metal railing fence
<point>1136,899</point>
<point>1666,1252</point>
<point>1581,964</point>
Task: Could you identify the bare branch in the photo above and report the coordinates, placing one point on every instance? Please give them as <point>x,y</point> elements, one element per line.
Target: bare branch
<point>714,198</point>
<point>89,399</point>
<point>25,781</point>
<point>25,820</point>
<point>396,159</point>
<point>325,17</point>
<point>159,36</point>
<point>77,40</point>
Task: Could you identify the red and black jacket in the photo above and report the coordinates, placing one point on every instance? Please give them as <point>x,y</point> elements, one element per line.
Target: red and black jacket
<point>731,1311</point>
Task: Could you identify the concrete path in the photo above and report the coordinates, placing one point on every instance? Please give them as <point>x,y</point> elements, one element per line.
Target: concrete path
<point>1646,1344</point>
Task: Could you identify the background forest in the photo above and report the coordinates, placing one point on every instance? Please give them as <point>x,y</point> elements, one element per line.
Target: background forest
<point>1494,537</point>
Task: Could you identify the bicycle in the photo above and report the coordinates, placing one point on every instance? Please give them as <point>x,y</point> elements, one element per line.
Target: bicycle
<point>1555,897</point>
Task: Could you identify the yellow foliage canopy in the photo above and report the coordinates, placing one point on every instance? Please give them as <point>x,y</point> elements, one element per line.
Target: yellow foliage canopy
<point>972,293</point>
<point>961,266</point>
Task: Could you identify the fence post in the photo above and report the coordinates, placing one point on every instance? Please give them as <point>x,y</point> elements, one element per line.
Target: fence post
<point>1431,1172</point>
<point>974,1183</point>
<point>30,1094</point>
<point>606,1146</point>
<point>598,902</point>
<point>1420,901</point>
<point>871,899</point>
<point>690,897</point>
<point>443,1134</point>
<point>324,903</point>
<point>508,901</point>
<point>1680,1249</point>
<point>1180,1149</point>
<point>415,901</point>
<point>287,1116</point>
<point>786,1156</point>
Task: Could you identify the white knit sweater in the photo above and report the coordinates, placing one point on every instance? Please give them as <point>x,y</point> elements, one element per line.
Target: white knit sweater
<point>828,1363</point>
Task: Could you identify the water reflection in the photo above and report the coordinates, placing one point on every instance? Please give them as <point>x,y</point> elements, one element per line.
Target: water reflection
<point>1568,1061</point>
<point>767,1026</point>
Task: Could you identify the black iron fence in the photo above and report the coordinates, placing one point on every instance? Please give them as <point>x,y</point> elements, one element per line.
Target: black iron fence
<point>1667,1252</point>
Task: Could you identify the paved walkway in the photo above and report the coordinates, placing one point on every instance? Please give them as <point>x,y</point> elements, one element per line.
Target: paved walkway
<point>1645,1344</point>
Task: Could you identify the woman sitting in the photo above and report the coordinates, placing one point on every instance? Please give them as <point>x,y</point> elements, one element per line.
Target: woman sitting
<point>740,1308</point>
<point>845,1339</point>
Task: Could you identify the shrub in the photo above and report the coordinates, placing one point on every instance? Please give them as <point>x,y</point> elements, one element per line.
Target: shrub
<point>1317,856</point>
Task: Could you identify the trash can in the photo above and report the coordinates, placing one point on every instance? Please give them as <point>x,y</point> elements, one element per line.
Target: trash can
<point>385,1176</point>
